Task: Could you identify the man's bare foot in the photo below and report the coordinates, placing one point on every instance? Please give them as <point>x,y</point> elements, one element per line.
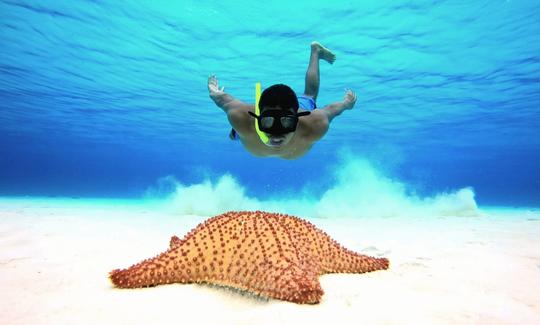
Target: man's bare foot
<point>324,53</point>
<point>350,99</point>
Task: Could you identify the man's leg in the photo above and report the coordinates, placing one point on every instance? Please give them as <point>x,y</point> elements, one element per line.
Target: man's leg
<point>312,75</point>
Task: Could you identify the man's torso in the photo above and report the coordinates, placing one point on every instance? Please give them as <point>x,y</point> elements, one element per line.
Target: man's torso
<point>303,139</point>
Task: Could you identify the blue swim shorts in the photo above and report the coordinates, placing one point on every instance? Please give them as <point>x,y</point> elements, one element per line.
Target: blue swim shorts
<point>306,102</point>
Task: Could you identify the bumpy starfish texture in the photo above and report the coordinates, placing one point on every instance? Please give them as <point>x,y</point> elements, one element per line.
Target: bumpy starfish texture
<point>269,254</point>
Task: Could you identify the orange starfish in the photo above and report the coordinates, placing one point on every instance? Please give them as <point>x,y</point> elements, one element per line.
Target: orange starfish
<point>273,255</point>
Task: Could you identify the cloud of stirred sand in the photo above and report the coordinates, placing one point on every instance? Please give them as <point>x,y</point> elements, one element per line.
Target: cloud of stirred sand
<point>359,190</point>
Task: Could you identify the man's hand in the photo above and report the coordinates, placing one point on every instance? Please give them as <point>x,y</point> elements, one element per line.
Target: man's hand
<point>213,87</point>
<point>350,99</point>
<point>335,109</point>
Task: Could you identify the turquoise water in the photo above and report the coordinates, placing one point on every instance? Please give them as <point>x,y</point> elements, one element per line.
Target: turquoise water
<point>107,99</point>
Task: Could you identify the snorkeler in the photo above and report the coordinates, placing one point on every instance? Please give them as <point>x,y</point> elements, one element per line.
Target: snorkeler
<point>282,124</point>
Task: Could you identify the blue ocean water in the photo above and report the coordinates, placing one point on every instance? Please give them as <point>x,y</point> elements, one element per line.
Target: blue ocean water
<point>109,99</point>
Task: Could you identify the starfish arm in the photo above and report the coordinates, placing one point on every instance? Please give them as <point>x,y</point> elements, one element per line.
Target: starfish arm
<point>346,261</point>
<point>293,284</point>
<point>338,259</point>
<point>162,269</point>
<point>328,254</point>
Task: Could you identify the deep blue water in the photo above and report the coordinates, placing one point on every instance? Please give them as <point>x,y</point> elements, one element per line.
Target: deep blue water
<point>105,98</point>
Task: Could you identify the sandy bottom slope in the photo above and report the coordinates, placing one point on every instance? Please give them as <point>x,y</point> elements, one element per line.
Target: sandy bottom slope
<point>55,257</point>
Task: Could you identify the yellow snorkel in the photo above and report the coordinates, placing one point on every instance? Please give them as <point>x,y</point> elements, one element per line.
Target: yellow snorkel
<point>262,135</point>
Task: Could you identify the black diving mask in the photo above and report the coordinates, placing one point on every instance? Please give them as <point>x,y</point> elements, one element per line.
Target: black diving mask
<point>277,121</point>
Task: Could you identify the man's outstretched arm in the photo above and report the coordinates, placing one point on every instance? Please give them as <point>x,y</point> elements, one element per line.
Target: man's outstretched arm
<point>236,110</point>
<point>225,101</point>
<point>333,110</point>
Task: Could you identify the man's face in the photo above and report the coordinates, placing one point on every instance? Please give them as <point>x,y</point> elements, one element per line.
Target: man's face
<point>278,140</point>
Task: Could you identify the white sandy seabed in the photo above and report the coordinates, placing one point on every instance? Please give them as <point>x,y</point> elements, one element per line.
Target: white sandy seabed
<point>55,256</point>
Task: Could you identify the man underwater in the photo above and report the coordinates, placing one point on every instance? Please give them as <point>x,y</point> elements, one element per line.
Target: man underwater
<point>283,125</point>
